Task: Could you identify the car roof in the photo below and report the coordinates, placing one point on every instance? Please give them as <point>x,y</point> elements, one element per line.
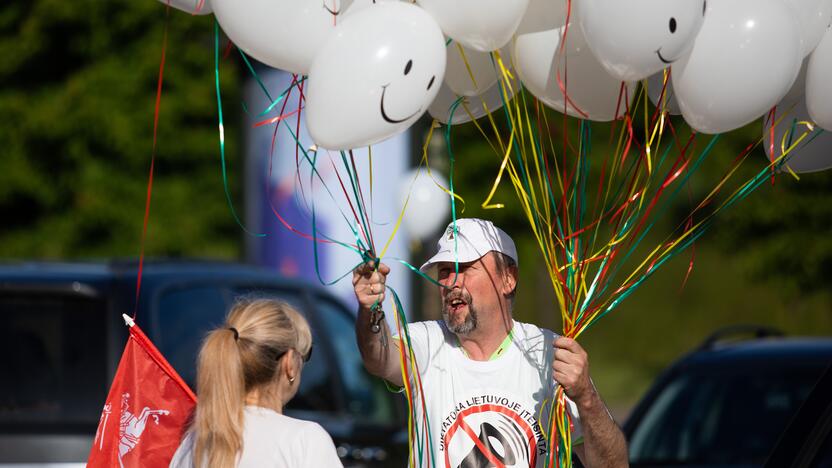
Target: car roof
<point>155,272</point>
<point>764,351</point>
<point>105,269</point>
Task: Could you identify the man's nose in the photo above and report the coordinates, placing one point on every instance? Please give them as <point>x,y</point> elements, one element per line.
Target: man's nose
<point>453,279</point>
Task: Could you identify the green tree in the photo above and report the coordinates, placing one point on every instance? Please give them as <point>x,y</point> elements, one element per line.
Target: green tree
<point>77,94</point>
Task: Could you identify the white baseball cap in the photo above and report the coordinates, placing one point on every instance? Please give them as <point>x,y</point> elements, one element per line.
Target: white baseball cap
<point>472,239</point>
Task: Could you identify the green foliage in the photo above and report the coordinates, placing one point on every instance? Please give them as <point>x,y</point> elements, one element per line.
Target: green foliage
<point>77,91</point>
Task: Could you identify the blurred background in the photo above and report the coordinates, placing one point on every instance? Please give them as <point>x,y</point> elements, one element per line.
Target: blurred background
<point>78,86</point>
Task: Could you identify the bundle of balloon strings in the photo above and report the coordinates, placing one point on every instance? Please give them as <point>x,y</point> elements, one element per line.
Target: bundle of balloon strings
<point>591,213</point>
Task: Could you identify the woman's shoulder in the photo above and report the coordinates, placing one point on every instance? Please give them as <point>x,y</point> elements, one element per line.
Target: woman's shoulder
<point>286,440</point>
<point>266,421</point>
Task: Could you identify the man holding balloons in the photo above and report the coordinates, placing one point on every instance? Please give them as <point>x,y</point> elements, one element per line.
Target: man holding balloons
<point>488,381</point>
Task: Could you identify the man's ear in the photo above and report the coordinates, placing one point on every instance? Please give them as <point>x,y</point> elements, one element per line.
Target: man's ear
<point>509,280</point>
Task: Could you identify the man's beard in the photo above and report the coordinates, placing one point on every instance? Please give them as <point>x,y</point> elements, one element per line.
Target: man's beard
<point>469,324</point>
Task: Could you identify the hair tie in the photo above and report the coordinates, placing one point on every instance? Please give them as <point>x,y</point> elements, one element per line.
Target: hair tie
<point>236,333</point>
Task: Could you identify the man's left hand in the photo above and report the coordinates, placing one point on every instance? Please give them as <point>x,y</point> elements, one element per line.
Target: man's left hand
<point>571,370</point>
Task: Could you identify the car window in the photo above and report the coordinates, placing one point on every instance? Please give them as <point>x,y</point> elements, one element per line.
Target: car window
<point>184,315</point>
<point>823,458</point>
<point>366,395</point>
<point>54,362</point>
<point>719,418</point>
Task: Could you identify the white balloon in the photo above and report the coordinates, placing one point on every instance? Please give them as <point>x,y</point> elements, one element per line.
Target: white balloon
<point>190,6</point>
<point>352,6</point>
<point>484,71</point>
<point>743,61</point>
<point>543,15</point>
<point>471,107</point>
<point>428,206</point>
<point>655,84</point>
<point>592,93</point>
<point>284,34</point>
<point>635,38</point>
<point>375,76</point>
<point>813,153</point>
<point>819,82</point>
<point>483,25</point>
<point>813,17</point>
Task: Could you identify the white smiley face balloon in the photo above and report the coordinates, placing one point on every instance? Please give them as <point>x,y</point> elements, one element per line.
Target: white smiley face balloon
<point>818,79</point>
<point>483,25</point>
<point>284,34</point>
<point>471,107</point>
<point>812,153</point>
<point>375,76</point>
<point>743,61</point>
<point>469,72</point>
<point>635,38</point>
<point>543,15</point>
<point>814,17</point>
<point>591,92</point>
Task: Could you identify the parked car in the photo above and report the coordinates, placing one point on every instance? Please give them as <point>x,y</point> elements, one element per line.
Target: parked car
<point>807,441</point>
<point>727,402</point>
<point>61,336</point>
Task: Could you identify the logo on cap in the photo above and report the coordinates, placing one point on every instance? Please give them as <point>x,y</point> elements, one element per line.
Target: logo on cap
<point>450,232</point>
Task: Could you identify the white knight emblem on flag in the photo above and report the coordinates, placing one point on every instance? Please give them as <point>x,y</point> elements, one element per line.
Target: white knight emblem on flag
<point>131,426</point>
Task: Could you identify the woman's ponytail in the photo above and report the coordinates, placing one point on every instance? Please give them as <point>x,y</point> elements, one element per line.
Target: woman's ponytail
<point>221,388</point>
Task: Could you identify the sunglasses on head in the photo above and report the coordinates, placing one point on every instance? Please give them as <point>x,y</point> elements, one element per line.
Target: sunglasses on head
<point>306,357</point>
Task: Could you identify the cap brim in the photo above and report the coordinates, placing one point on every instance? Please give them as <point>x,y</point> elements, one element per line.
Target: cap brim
<point>447,256</point>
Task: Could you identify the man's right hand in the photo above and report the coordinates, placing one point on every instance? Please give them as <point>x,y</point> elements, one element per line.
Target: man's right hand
<point>380,359</point>
<point>368,284</point>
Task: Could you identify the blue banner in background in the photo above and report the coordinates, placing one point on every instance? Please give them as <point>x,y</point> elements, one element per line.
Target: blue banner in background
<point>279,183</point>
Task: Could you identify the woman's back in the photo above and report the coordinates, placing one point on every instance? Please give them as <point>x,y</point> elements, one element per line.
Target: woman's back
<point>271,439</point>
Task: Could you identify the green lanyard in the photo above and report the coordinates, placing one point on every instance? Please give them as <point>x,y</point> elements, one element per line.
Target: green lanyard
<point>500,349</point>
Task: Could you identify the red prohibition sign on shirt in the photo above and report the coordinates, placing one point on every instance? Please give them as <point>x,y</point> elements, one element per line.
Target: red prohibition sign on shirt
<point>499,423</point>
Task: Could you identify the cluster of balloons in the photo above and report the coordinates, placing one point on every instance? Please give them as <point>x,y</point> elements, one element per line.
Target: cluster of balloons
<point>375,66</point>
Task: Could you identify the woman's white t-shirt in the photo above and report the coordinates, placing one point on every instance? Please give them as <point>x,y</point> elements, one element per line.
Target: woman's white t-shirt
<point>271,439</point>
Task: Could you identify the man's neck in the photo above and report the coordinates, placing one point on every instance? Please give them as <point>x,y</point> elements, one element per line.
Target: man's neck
<point>481,345</point>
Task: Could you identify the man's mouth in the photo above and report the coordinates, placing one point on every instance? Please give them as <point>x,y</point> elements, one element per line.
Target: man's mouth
<point>457,304</point>
<point>387,117</point>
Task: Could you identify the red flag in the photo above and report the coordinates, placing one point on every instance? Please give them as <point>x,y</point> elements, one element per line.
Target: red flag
<point>146,410</point>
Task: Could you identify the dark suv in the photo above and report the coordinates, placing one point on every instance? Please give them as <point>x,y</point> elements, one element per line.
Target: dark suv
<point>61,336</point>
<point>727,402</point>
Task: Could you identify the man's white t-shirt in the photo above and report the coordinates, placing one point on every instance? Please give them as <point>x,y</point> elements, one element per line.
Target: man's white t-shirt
<point>271,439</point>
<point>482,411</point>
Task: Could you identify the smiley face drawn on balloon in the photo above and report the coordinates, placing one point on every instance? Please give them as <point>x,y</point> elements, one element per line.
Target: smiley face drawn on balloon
<point>637,38</point>
<point>384,113</point>
<point>375,76</point>
<point>284,34</point>
<point>672,27</point>
<point>334,11</point>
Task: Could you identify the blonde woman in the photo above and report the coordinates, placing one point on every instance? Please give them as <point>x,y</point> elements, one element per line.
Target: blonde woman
<point>247,371</point>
